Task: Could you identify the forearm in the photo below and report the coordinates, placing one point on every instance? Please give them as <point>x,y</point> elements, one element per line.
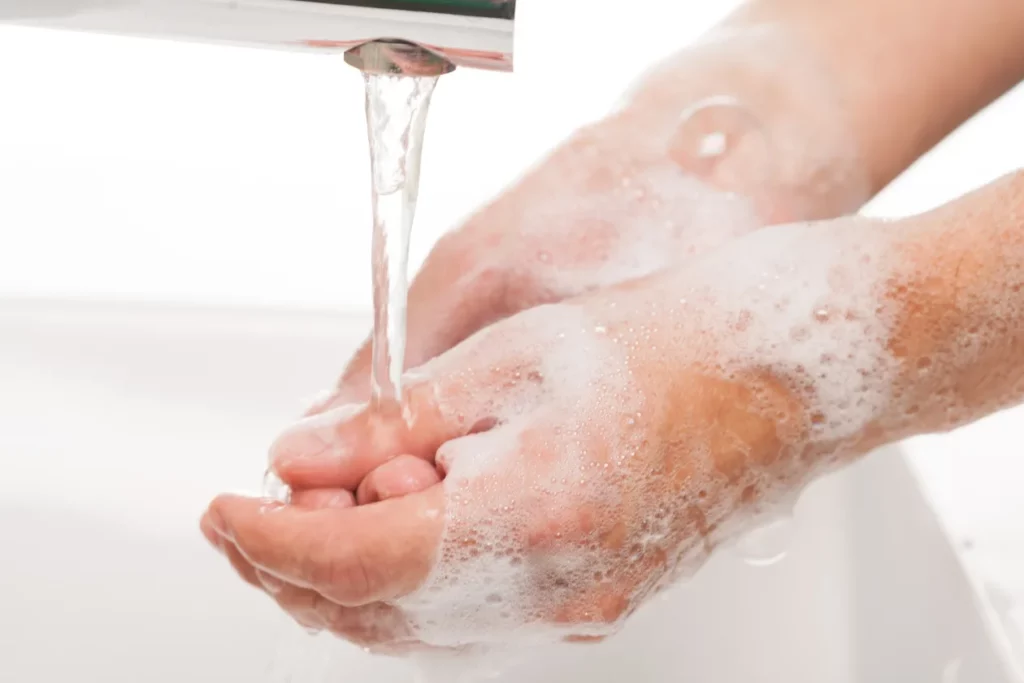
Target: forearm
<point>958,299</point>
<point>851,92</point>
<point>819,342</point>
<point>908,71</point>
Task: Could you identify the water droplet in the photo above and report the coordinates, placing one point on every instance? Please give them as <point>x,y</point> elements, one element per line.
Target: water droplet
<point>767,545</point>
<point>600,329</point>
<point>544,257</point>
<point>720,132</point>
<point>821,314</point>
<point>275,489</point>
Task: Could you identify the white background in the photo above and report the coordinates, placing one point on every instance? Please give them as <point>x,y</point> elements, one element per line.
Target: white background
<point>147,170</point>
<point>143,169</point>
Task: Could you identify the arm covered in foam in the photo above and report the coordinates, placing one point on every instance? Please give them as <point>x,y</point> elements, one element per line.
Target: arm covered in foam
<point>959,302</point>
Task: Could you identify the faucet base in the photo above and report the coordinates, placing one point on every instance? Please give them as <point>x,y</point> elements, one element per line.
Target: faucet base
<point>397,57</point>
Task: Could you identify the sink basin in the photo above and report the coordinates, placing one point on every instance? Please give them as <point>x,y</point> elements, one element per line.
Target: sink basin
<point>118,422</point>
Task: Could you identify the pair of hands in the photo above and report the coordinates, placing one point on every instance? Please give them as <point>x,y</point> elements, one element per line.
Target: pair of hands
<point>601,393</point>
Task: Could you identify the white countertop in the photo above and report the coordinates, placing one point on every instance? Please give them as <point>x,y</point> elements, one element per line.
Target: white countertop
<point>973,478</point>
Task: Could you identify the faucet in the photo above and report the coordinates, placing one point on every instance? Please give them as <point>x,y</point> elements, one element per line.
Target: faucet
<point>416,37</point>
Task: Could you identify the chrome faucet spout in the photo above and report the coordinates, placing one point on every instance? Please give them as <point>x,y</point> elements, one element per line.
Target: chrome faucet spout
<point>465,33</point>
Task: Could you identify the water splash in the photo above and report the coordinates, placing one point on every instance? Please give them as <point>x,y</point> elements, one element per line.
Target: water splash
<point>396,117</point>
<point>275,489</point>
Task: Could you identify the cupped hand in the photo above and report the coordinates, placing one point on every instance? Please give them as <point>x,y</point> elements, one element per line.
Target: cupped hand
<point>708,147</point>
<point>592,451</point>
<point>616,201</point>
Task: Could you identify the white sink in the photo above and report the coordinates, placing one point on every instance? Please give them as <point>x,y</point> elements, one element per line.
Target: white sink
<point>118,423</point>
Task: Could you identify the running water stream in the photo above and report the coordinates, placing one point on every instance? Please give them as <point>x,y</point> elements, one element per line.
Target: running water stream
<point>396,117</point>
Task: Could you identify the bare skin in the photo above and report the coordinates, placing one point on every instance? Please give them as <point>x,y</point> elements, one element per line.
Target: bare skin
<point>342,569</point>
<point>896,92</point>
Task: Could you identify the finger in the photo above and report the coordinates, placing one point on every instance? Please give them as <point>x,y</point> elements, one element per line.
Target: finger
<point>399,477</point>
<point>301,604</point>
<point>224,546</point>
<point>451,298</point>
<point>353,557</point>
<point>337,449</point>
<point>376,625</point>
<point>316,499</point>
<point>457,394</point>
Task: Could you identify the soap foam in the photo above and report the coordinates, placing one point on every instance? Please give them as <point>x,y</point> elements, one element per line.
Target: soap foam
<point>518,488</point>
<point>630,432</point>
<point>566,516</point>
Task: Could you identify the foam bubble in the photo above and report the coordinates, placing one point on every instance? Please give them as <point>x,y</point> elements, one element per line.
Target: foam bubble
<point>275,489</point>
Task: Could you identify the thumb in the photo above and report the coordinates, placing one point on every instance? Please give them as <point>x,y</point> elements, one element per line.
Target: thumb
<point>352,556</point>
<point>458,394</point>
<point>336,449</point>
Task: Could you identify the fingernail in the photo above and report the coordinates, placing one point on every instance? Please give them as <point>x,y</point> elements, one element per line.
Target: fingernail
<point>272,584</point>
